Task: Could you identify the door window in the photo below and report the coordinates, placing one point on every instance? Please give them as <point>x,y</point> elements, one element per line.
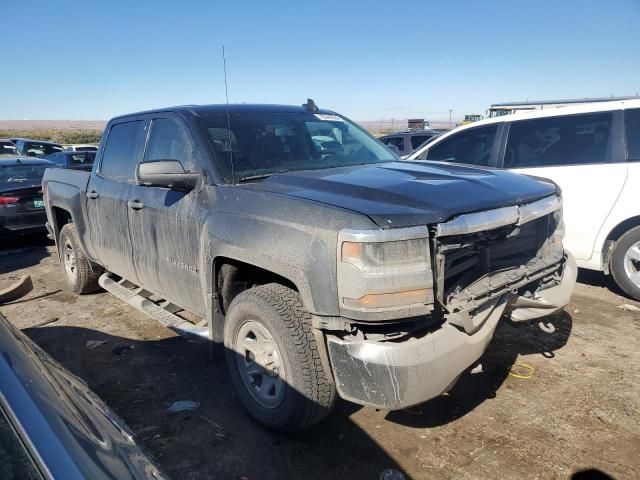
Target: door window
<point>418,140</point>
<point>397,141</point>
<point>168,141</point>
<point>121,150</point>
<point>554,141</point>
<point>632,131</point>
<point>469,146</point>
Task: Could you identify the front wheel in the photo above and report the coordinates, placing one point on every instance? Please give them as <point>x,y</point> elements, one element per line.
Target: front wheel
<point>80,274</point>
<point>274,360</point>
<point>625,263</point>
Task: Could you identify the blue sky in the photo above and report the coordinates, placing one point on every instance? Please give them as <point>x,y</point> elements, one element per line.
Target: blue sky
<point>369,60</point>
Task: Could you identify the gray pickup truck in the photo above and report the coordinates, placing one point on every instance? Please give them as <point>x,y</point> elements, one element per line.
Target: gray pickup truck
<point>324,264</point>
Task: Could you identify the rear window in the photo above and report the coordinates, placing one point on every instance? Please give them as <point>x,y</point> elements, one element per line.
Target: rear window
<point>632,132</point>
<point>556,141</point>
<point>82,158</point>
<point>122,150</point>
<point>22,173</point>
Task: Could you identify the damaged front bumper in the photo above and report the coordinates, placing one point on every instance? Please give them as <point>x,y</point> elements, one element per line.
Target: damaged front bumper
<point>547,301</point>
<point>395,375</point>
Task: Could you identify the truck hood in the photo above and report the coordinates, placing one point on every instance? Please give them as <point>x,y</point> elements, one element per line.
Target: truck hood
<point>402,194</point>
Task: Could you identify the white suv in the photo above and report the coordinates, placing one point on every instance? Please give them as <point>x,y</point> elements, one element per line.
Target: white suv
<point>592,151</point>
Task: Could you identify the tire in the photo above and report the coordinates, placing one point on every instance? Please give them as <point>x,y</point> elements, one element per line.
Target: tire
<point>625,263</point>
<point>302,393</point>
<point>80,274</point>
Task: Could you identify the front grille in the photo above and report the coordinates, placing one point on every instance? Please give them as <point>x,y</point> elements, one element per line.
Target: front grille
<point>461,260</point>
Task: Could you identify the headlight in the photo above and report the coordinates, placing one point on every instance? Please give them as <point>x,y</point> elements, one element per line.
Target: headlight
<point>380,270</point>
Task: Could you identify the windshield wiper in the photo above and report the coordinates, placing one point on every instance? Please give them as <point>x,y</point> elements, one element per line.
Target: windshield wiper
<point>259,176</point>
<point>254,177</point>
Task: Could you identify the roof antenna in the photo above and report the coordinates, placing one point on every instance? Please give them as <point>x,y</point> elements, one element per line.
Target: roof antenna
<point>226,93</point>
<point>310,106</point>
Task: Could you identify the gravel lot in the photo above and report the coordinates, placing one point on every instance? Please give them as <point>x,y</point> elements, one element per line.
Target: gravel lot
<point>577,416</point>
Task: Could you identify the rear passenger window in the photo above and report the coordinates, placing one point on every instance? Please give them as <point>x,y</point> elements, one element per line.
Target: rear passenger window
<point>168,141</point>
<point>121,151</point>
<point>554,141</point>
<point>469,146</point>
<point>632,131</point>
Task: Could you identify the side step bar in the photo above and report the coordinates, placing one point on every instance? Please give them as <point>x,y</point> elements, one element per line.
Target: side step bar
<point>164,311</point>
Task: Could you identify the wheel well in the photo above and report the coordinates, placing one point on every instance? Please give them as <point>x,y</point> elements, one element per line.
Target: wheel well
<point>62,217</point>
<point>234,277</point>
<point>623,227</point>
<point>613,236</point>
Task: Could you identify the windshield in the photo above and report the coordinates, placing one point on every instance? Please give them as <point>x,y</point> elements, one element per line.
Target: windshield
<point>260,144</point>
<point>22,173</point>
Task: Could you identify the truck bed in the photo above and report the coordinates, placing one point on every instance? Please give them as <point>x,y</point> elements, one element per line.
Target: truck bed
<point>66,190</point>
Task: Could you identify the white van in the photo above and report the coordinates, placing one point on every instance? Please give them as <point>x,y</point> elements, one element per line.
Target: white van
<point>592,151</point>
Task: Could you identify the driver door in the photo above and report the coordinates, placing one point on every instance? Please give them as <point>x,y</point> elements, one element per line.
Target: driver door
<point>165,224</point>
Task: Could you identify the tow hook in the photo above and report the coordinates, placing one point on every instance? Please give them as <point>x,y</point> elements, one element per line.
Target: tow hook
<point>547,328</point>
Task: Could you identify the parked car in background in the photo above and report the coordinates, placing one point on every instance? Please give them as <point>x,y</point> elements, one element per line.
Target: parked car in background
<point>7,148</point>
<point>21,204</point>
<point>35,148</point>
<point>76,160</point>
<point>81,148</point>
<point>406,142</point>
<point>52,426</point>
<point>592,151</point>
<point>324,264</point>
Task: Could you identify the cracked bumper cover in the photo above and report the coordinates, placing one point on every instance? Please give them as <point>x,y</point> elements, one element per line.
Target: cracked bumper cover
<point>393,376</point>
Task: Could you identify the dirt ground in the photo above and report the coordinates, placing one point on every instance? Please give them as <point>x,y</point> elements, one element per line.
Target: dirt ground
<point>578,416</point>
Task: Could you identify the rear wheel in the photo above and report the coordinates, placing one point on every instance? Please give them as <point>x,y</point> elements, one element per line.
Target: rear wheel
<point>80,274</point>
<point>625,263</point>
<point>274,360</point>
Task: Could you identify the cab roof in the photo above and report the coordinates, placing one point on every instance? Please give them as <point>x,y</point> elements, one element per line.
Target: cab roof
<point>236,108</point>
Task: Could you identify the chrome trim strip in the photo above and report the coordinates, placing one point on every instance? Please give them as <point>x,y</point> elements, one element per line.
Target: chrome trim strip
<point>391,235</point>
<point>499,217</point>
<point>478,222</point>
<point>540,208</point>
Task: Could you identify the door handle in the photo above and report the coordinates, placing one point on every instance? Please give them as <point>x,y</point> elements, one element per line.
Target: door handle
<point>92,194</point>
<point>135,204</point>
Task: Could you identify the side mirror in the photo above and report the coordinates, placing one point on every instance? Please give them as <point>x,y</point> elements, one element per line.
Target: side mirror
<point>167,174</point>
